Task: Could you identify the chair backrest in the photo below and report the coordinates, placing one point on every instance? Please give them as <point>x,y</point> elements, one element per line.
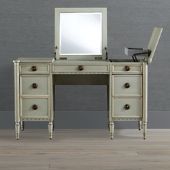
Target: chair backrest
<point>153,42</point>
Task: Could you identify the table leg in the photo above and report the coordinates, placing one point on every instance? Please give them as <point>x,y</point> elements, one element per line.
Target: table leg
<point>144,130</point>
<point>22,125</point>
<point>17,130</point>
<point>50,130</point>
<point>112,129</point>
<point>140,125</point>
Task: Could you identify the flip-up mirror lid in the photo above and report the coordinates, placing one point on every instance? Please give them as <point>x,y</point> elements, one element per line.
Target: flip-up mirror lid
<point>80,33</point>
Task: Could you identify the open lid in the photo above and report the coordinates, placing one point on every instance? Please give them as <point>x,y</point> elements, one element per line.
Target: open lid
<point>153,42</point>
<point>81,33</point>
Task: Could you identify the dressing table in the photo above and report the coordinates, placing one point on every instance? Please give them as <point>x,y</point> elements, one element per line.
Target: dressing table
<point>81,58</point>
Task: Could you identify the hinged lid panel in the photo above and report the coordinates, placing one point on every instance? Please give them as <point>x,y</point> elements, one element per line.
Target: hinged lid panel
<point>153,42</point>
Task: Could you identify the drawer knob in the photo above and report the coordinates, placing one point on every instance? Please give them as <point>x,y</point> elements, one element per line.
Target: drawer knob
<point>80,68</point>
<point>127,85</point>
<point>126,106</point>
<point>34,85</point>
<point>34,68</point>
<point>34,107</point>
<point>127,68</point>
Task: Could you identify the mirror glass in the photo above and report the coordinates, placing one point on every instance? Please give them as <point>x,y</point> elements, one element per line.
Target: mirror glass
<point>80,33</point>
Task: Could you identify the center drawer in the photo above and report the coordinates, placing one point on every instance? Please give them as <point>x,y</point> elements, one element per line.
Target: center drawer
<point>34,107</point>
<point>34,85</point>
<point>127,85</point>
<point>80,68</point>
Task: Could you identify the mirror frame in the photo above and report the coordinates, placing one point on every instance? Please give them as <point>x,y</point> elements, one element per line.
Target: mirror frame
<point>80,10</point>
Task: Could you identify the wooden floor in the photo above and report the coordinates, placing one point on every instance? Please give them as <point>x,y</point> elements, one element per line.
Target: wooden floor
<point>85,150</point>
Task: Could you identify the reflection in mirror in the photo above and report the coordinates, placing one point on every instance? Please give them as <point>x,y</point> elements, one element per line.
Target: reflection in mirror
<point>80,33</point>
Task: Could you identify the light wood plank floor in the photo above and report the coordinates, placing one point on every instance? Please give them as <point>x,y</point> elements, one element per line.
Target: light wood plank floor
<point>85,150</point>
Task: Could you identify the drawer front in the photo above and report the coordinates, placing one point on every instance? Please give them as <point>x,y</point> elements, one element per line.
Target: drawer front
<point>34,68</point>
<point>80,68</point>
<point>34,85</point>
<point>127,68</point>
<point>34,108</point>
<point>127,107</point>
<point>125,85</point>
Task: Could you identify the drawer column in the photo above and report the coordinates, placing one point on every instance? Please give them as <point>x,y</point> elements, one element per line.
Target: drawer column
<point>33,94</point>
<point>129,89</point>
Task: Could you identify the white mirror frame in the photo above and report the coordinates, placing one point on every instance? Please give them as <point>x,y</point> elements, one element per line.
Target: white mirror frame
<point>80,10</point>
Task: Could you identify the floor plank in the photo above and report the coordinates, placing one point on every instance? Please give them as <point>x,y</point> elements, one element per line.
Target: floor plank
<point>85,149</point>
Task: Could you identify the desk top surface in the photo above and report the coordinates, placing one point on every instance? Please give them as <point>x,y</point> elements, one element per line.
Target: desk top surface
<point>95,62</point>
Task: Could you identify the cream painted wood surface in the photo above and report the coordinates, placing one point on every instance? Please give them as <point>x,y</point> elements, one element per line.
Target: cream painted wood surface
<point>134,110</point>
<point>120,68</point>
<point>28,111</point>
<point>95,67</point>
<point>87,149</point>
<point>34,85</point>
<point>75,68</point>
<point>125,85</point>
<point>124,103</point>
<point>40,68</point>
<point>153,42</point>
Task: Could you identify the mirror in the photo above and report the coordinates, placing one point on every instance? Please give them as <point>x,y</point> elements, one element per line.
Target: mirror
<point>80,33</point>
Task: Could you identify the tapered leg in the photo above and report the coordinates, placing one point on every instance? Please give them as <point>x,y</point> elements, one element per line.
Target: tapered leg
<point>53,126</point>
<point>50,130</point>
<point>112,129</point>
<point>22,125</point>
<point>144,130</point>
<point>17,130</point>
<point>140,125</point>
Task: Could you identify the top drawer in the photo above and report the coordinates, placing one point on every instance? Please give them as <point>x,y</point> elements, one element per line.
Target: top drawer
<point>127,69</point>
<point>79,68</point>
<point>34,68</point>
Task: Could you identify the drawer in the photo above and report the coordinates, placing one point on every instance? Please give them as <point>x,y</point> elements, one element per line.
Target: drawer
<point>127,69</point>
<point>127,107</point>
<point>34,85</point>
<point>34,68</point>
<point>37,108</point>
<point>80,68</point>
<point>127,85</point>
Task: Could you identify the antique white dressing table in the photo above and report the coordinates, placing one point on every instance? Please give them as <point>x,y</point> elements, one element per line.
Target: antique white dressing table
<point>126,80</point>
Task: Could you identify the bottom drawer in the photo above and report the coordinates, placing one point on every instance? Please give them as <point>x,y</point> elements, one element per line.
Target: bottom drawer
<point>37,108</point>
<point>127,107</point>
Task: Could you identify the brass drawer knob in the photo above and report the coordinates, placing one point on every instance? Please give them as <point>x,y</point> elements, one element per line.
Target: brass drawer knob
<point>127,85</point>
<point>34,85</point>
<point>34,68</point>
<point>127,68</point>
<point>126,106</point>
<point>80,68</point>
<point>34,107</point>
